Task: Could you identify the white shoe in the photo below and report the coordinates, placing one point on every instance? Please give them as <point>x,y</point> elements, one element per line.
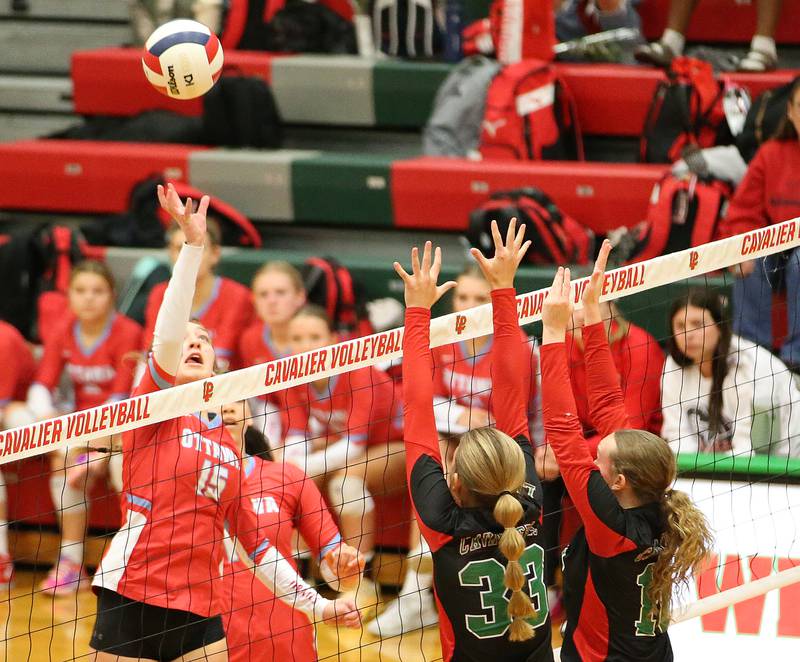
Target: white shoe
<point>410,611</point>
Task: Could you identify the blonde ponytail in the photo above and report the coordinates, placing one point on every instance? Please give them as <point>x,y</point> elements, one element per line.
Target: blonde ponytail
<point>508,512</point>
<point>686,544</point>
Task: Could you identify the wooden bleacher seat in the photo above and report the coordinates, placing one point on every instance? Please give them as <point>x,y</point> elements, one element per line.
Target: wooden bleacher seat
<point>612,99</point>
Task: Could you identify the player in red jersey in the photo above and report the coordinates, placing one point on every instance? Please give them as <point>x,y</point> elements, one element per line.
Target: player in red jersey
<point>159,585</point>
<point>482,520</point>
<point>344,433</point>
<point>96,347</point>
<point>639,536</point>
<point>220,304</point>
<point>15,378</point>
<point>257,626</point>
<point>278,293</point>
<point>463,384</point>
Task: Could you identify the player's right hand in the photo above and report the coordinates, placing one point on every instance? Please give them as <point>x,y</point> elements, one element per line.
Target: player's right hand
<point>557,308</point>
<point>342,611</point>
<point>594,288</point>
<point>192,223</point>
<point>421,290</point>
<point>501,269</point>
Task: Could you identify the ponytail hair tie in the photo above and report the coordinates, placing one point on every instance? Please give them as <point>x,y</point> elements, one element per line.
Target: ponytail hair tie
<point>511,494</point>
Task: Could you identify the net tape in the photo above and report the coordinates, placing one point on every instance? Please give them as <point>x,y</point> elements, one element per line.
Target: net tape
<point>79,428</point>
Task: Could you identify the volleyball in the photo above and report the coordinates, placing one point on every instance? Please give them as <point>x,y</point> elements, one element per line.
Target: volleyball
<point>182,59</point>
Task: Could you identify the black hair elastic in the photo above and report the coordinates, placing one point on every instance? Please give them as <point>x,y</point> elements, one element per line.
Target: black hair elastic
<point>506,492</point>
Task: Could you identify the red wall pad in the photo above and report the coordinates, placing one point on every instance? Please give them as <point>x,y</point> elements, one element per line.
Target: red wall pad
<point>439,194</point>
<point>722,21</point>
<point>82,175</point>
<point>110,81</point>
<point>613,99</point>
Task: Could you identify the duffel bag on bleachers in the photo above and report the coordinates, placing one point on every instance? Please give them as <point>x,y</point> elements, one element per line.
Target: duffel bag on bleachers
<point>556,237</point>
<point>684,213</point>
<point>687,110</point>
<point>454,126</point>
<point>331,285</point>
<point>530,115</point>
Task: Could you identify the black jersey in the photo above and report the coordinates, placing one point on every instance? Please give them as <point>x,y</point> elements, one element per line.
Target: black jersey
<point>608,565</point>
<point>468,566</point>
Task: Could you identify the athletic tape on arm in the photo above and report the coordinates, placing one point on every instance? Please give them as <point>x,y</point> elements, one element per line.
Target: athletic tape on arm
<point>80,427</point>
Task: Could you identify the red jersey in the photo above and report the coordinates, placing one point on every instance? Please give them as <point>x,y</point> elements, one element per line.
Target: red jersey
<point>255,347</point>
<point>98,373</point>
<point>226,313</point>
<point>19,369</point>
<point>467,380</point>
<point>639,362</point>
<point>360,405</point>
<point>769,192</point>
<point>608,565</point>
<point>257,626</point>
<point>181,484</point>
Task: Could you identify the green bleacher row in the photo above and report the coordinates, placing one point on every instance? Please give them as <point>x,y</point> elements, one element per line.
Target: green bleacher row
<point>647,309</point>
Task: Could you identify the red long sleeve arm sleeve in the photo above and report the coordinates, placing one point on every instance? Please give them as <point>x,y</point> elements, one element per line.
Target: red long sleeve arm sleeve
<point>511,364</point>
<point>602,516</point>
<point>606,402</point>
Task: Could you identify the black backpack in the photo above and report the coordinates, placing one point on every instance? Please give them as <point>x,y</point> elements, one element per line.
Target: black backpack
<point>150,126</point>
<point>557,237</point>
<point>309,27</point>
<point>686,110</point>
<point>763,119</point>
<point>330,285</point>
<point>240,111</point>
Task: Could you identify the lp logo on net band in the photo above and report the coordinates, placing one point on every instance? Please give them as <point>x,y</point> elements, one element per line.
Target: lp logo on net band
<point>208,391</point>
<point>461,323</point>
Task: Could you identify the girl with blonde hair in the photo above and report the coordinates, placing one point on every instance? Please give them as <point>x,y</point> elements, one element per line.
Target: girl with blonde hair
<point>481,521</point>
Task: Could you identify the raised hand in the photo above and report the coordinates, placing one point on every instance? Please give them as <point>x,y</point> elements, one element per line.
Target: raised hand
<point>501,269</point>
<point>591,295</point>
<point>421,290</point>
<point>557,308</point>
<point>342,612</point>
<point>193,224</point>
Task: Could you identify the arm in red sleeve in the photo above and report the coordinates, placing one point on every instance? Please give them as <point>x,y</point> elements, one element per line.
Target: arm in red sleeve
<point>748,207</point>
<point>606,402</point>
<point>602,516</point>
<point>124,361</point>
<point>641,365</point>
<point>511,363</point>
<point>52,363</point>
<point>436,510</point>
<point>314,521</point>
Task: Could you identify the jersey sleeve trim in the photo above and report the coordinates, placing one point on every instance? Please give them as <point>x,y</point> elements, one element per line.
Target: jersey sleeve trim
<point>160,377</point>
<point>139,501</point>
<point>258,551</point>
<point>329,547</point>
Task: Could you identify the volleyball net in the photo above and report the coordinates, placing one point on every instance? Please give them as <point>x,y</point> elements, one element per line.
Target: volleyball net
<point>749,491</point>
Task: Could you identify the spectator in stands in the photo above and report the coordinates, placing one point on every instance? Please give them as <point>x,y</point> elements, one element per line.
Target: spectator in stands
<point>763,55</point>
<point>278,293</point>
<point>18,372</point>
<point>639,362</point>
<point>220,304</point>
<point>577,18</point>
<point>147,15</point>
<point>344,433</point>
<point>462,401</point>
<point>769,194</point>
<point>95,348</point>
<point>723,393</point>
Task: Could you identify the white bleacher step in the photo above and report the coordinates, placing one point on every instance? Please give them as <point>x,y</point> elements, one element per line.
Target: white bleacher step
<point>22,126</point>
<point>39,47</point>
<point>93,10</point>
<point>37,93</point>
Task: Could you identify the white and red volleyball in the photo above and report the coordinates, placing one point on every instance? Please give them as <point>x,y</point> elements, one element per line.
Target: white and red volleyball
<point>182,59</point>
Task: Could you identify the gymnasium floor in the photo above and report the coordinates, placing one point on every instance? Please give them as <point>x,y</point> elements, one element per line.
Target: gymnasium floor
<point>37,628</point>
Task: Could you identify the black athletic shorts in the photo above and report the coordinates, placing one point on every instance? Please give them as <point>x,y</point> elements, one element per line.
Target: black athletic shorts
<point>134,629</point>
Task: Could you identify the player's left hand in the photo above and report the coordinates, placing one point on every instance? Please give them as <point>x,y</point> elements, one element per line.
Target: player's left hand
<point>192,223</point>
<point>347,564</point>
<point>594,288</point>
<point>421,290</point>
<point>501,269</point>
<point>342,611</point>
<point>557,308</point>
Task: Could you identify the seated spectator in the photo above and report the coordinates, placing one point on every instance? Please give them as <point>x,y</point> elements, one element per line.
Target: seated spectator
<point>721,392</point>
<point>768,194</point>
<point>763,55</point>
<point>95,348</point>
<point>220,304</point>
<point>278,293</point>
<point>578,18</point>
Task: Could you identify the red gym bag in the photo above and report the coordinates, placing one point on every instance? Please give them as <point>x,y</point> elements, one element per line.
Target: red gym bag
<point>530,115</point>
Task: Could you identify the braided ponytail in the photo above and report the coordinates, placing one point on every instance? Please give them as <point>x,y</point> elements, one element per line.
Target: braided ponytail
<point>508,512</point>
